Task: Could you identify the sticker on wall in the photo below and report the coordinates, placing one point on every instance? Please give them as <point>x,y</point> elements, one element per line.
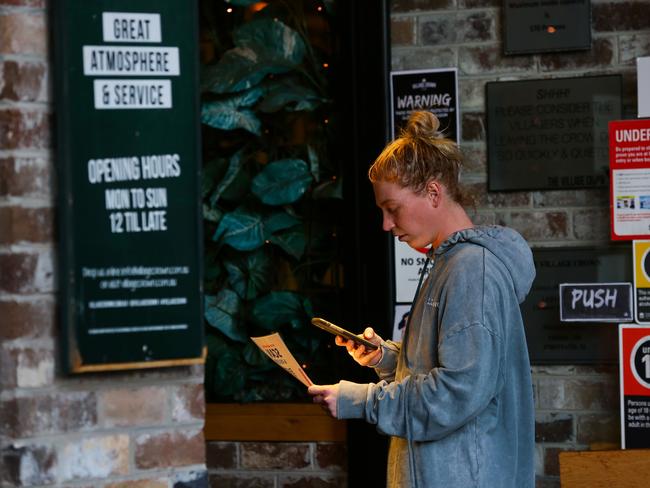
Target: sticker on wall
<point>634,348</point>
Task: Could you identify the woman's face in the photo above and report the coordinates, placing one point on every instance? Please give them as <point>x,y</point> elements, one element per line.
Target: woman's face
<point>408,216</point>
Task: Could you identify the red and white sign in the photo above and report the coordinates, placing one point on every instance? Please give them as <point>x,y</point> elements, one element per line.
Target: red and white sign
<point>629,167</point>
<point>634,357</point>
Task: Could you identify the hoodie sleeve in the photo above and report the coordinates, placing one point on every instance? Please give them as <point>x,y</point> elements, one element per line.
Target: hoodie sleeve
<point>429,406</point>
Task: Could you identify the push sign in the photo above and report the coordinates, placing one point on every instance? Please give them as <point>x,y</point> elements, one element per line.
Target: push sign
<point>596,302</point>
<point>634,349</point>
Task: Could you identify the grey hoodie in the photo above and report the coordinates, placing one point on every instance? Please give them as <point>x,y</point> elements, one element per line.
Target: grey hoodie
<point>456,394</point>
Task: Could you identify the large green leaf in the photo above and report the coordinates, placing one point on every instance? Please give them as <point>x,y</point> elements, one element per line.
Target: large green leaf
<point>278,221</point>
<point>230,113</point>
<point>314,162</point>
<point>234,166</point>
<point>239,69</point>
<point>272,40</point>
<point>255,357</point>
<point>279,308</point>
<point>263,47</point>
<point>250,275</point>
<point>292,241</point>
<point>241,229</point>
<point>282,182</point>
<point>222,312</point>
<point>289,94</point>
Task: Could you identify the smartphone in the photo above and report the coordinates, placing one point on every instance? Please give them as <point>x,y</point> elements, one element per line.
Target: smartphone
<point>336,330</point>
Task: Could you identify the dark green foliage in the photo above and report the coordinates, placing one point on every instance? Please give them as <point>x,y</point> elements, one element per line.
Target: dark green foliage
<point>271,194</point>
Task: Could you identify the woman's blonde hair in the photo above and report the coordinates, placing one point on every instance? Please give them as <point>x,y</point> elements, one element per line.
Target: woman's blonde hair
<point>420,154</point>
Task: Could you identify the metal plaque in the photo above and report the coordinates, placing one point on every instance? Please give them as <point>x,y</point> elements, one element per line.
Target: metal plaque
<point>126,78</point>
<point>551,341</point>
<point>550,134</point>
<point>536,26</point>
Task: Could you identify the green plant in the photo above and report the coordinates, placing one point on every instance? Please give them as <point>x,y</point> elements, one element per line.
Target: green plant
<point>272,193</point>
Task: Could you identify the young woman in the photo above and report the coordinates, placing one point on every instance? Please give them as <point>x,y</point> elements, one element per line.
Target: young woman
<point>456,394</point>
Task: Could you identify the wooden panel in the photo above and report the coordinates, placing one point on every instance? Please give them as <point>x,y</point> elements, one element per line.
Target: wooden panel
<point>271,422</point>
<point>605,469</point>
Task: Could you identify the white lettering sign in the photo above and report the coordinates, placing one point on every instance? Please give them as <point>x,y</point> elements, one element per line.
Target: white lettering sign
<point>131,61</point>
<point>131,27</point>
<point>133,94</point>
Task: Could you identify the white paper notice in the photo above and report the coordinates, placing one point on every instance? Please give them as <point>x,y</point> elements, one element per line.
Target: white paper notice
<point>273,346</point>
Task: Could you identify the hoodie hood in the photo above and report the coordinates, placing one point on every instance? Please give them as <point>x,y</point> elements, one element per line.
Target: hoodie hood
<point>507,245</point>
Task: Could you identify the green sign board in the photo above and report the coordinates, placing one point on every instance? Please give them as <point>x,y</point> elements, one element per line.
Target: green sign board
<point>127,112</point>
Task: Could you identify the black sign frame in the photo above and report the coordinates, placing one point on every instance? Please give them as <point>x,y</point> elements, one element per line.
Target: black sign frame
<point>535,127</point>
<point>599,309</point>
<point>130,283</point>
<point>540,26</point>
<point>551,341</point>
<point>435,90</point>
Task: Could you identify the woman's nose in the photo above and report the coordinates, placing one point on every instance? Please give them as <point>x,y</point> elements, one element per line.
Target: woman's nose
<point>387,223</point>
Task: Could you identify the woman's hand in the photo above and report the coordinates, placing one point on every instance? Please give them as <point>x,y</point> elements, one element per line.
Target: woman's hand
<point>326,396</point>
<point>359,352</point>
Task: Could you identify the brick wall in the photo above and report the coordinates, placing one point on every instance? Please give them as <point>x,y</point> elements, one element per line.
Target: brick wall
<point>277,464</point>
<point>112,430</point>
<point>577,406</point>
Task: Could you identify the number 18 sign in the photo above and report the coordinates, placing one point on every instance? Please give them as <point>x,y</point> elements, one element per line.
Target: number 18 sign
<point>634,348</point>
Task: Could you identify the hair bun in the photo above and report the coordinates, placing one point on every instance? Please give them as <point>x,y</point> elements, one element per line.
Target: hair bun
<point>422,124</point>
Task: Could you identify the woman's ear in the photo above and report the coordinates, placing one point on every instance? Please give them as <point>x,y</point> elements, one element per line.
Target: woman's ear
<point>434,192</point>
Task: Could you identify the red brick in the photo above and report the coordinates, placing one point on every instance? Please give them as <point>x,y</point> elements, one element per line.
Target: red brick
<point>28,465</point>
<point>26,367</point>
<point>481,60</point>
<point>402,31</point>
<point>599,429</point>
<point>437,29</point>
<point>276,455</point>
<point>99,457</point>
<point>221,455</point>
<point>24,3</point>
<point>538,226</point>
<point>601,55</point>
<point>485,199</point>
<point>552,460</point>
<point>24,129</point>
<point>311,481</point>
<point>28,177</point>
<point>620,16</point>
<point>26,272</point>
<point>555,427</point>
<point>463,4</point>
<point>141,483</point>
<point>20,224</point>
<point>169,449</point>
<point>26,319</point>
<point>218,480</point>
<point>591,224</point>
<point>48,414</point>
<point>188,403</point>
<point>415,58</point>
<point>23,81</point>
<point>474,160</point>
<point>473,126</point>
<point>17,272</point>
<point>476,26</point>
<point>133,406</point>
<point>597,197</point>
<point>331,456</point>
<point>23,33</point>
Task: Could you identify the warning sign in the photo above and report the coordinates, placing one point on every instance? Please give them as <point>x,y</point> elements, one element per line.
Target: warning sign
<point>634,347</point>
<point>629,163</point>
<point>641,253</point>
